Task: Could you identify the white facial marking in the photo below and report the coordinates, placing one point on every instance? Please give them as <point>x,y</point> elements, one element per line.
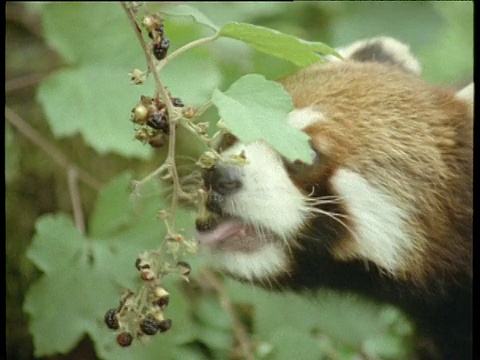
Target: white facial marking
<point>301,118</point>
<point>379,223</point>
<point>268,199</point>
<point>267,261</point>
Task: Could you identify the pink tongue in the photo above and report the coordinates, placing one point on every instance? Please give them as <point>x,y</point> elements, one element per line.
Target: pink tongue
<point>222,231</point>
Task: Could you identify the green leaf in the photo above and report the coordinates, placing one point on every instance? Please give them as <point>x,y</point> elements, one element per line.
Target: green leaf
<point>84,276</point>
<point>113,207</point>
<point>210,313</point>
<point>66,304</point>
<point>186,10</point>
<point>57,243</point>
<point>91,33</point>
<point>288,343</point>
<point>386,346</point>
<point>192,77</point>
<point>89,100</point>
<point>288,47</point>
<point>95,97</point>
<point>344,323</point>
<point>254,108</point>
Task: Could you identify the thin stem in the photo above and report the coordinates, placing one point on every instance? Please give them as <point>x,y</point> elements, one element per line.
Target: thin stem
<point>76,201</point>
<point>24,81</point>
<point>25,129</point>
<point>139,183</point>
<point>186,47</point>
<point>151,66</point>
<point>238,328</point>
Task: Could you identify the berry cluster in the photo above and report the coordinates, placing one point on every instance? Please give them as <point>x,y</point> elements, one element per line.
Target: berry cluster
<point>160,43</point>
<point>142,316</point>
<point>152,117</point>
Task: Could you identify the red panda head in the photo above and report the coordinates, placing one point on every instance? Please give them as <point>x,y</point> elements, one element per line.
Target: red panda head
<point>390,186</point>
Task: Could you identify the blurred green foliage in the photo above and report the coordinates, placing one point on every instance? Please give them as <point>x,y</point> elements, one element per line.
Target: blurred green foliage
<point>67,68</point>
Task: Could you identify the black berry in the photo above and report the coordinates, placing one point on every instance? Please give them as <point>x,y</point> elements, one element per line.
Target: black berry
<point>164,325</point>
<point>215,202</point>
<point>160,29</point>
<point>160,49</point>
<point>159,121</point>
<point>111,319</point>
<point>162,302</point>
<point>205,224</point>
<point>149,325</point>
<point>124,339</point>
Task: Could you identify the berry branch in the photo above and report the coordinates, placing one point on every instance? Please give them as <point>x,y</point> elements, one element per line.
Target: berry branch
<point>141,315</point>
<point>131,13</point>
<point>154,26</point>
<point>156,119</point>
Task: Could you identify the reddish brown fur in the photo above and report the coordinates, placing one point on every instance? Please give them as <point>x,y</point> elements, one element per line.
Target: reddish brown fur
<point>407,138</point>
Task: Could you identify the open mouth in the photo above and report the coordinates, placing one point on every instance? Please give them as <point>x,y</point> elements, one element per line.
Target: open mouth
<point>229,233</point>
<point>222,231</point>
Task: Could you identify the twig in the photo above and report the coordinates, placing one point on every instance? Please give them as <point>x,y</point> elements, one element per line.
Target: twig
<point>76,201</point>
<point>24,81</point>
<point>186,47</point>
<point>238,328</point>
<point>57,156</point>
<point>173,114</point>
<point>151,66</point>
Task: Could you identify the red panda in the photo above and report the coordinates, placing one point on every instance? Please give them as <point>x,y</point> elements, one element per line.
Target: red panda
<point>385,208</point>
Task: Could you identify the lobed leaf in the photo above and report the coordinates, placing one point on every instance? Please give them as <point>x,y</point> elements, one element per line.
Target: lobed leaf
<point>95,97</point>
<point>56,244</point>
<point>113,207</point>
<point>91,33</point>
<point>84,276</point>
<point>67,304</point>
<point>89,101</point>
<point>254,108</point>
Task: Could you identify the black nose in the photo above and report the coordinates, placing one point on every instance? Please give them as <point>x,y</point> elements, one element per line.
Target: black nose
<point>223,179</point>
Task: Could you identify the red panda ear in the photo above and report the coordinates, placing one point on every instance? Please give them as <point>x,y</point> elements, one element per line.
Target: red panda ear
<point>383,50</point>
<point>467,95</point>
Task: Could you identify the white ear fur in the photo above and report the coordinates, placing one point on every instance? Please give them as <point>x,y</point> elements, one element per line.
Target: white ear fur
<point>382,49</point>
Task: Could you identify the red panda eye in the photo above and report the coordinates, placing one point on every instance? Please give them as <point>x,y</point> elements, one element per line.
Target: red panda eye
<point>299,167</point>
